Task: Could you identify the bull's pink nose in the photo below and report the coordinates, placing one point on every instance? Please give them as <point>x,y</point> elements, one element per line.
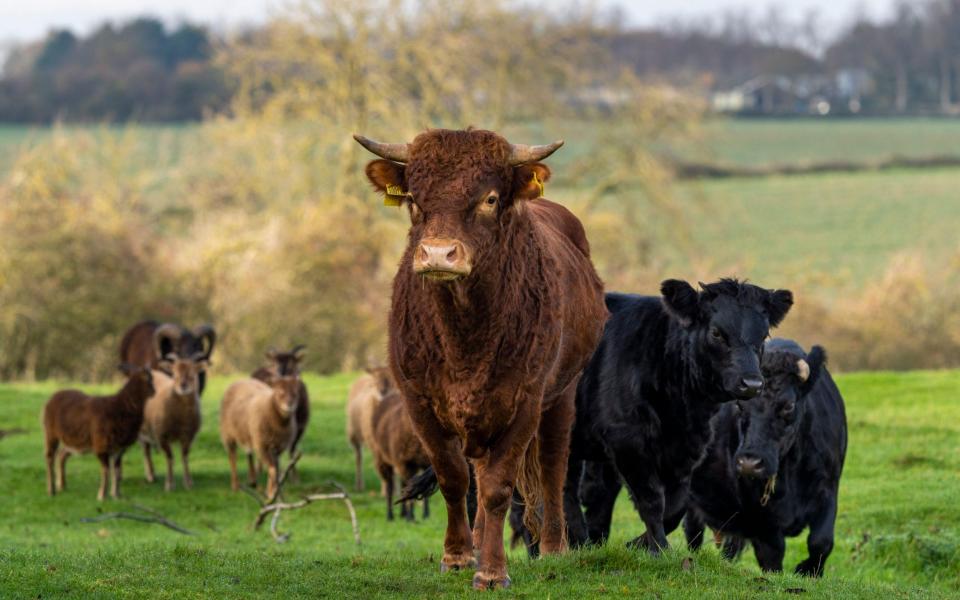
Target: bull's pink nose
<point>441,256</point>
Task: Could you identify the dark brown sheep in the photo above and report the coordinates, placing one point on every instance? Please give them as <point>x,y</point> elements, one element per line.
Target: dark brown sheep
<point>75,422</point>
<point>397,451</point>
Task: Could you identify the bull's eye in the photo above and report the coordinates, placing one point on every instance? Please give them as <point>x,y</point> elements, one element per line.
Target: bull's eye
<point>491,199</point>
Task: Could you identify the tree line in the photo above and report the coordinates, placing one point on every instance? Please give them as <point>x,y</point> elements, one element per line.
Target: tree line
<point>137,71</point>
<point>906,63</point>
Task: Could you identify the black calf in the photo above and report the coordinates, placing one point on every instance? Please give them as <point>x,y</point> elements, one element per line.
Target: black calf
<point>774,466</point>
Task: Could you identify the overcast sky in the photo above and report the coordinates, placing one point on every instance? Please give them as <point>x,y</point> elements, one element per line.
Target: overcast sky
<point>30,19</point>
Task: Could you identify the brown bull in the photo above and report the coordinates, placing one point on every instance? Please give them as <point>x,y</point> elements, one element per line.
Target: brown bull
<point>496,310</point>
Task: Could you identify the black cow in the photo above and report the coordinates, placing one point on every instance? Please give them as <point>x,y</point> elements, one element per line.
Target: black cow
<point>773,468</point>
<point>644,403</point>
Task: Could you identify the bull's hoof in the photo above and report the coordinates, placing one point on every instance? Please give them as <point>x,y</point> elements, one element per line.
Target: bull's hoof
<point>809,568</point>
<point>642,542</point>
<point>483,581</point>
<point>457,562</point>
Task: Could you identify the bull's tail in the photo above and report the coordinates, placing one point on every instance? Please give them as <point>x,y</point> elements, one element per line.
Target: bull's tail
<point>420,487</point>
<point>529,486</point>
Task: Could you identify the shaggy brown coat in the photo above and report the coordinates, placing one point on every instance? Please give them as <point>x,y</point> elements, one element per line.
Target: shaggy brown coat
<point>365,394</point>
<point>172,414</point>
<point>262,420</point>
<point>103,425</point>
<point>488,363</point>
<point>397,451</point>
<point>288,363</point>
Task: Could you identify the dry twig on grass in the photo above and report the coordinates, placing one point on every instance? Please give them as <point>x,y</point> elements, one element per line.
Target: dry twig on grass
<point>152,516</point>
<point>272,507</point>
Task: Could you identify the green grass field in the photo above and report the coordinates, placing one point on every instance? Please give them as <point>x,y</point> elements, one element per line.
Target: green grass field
<point>898,531</point>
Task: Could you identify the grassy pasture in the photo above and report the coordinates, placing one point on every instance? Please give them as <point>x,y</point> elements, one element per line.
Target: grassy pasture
<point>897,532</point>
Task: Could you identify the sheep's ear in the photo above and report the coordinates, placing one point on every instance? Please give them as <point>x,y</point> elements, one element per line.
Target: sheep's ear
<point>203,365</point>
<point>778,305</point>
<point>681,301</point>
<point>816,362</point>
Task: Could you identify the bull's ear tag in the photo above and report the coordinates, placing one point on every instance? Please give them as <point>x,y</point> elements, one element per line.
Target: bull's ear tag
<point>395,195</point>
<point>539,183</point>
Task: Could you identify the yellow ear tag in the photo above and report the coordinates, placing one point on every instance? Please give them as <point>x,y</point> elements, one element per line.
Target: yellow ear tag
<point>394,196</point>
<point>539,183</point>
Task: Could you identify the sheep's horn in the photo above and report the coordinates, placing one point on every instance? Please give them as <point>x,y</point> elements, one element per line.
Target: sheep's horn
<point>206,333</point>
<point>167,331</point>
<point>522,154</point>
<point>394,152</point>
<point>803,370</point>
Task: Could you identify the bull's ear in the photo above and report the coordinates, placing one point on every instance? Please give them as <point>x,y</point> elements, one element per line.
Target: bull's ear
<point>816,362</point>
<point>528,181</point>
<point>778,305</point>
<point>387,177</point>
<point>681,301</point>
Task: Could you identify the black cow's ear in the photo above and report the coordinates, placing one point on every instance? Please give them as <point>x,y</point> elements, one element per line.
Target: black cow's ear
<point>680,300</point>
<point>778,305</point>
<point>388,178</point>
<point>816,362</point>
<point>529,180</point>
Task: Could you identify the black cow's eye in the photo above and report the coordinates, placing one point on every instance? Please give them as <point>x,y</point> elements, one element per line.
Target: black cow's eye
<point>716,334</point>
<point>787,410</point>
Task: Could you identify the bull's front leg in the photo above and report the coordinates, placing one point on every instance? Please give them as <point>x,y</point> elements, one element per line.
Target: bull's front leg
<point>453,476</point>
<point>496,479</point>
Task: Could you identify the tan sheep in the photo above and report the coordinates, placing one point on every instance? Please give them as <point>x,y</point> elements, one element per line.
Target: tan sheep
<point>261,419</point>
<point>365,394</point>
<point>172,414</point>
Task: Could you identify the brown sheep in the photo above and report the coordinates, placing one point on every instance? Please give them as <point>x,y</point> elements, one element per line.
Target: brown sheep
<point>397,450</point>
<point>288,363</point>
<point>365,394</point>
<point>103,425</point>
<point>261,419</point>
<point>173,414</point>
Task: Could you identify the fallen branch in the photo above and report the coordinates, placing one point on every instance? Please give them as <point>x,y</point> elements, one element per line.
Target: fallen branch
<point>152,517</point>
<point>277,507</point>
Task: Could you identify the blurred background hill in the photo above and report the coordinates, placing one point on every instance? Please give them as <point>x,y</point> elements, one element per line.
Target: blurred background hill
<point>173,170</point>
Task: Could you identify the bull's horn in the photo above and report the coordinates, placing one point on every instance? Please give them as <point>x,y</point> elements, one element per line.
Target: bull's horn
<point>167,331</point>
<point>521,154</point>
<point>803,370</point>
<point>394,152</point>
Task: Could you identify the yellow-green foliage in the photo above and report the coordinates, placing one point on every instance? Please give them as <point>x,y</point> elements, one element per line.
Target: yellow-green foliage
<point>266,225</point>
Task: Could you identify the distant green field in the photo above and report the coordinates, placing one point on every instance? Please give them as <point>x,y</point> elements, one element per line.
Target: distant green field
<point>898,531</point>
<point>758,142</point>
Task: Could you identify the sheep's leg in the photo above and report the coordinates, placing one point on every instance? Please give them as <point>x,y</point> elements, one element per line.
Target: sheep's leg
<point>51,452</point>
<point>168,484</point>
<point>386,478</point>
<point>358,459</point>
<point>148,463</point>
<point>116,474</point>
<point>62,480</point>
<point>104,468</point>
<point>426,507</point>
<point>184,456</point>
<point>252,471</point>
<point>273,467</point>
<point>232,454</point>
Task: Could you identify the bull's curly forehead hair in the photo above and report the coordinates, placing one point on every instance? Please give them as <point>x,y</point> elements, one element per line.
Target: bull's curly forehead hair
<point>458,157</point>
<point>746,294</point>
